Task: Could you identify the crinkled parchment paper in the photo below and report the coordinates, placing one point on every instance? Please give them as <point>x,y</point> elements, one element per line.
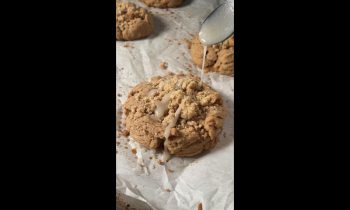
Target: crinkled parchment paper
<point>182,183</point>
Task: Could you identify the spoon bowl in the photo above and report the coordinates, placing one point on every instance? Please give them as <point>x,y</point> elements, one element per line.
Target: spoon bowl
<point>218,25</point>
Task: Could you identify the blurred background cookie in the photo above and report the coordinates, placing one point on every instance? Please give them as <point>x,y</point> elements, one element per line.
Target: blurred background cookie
<point>132,22</point>
<point>219,58</point>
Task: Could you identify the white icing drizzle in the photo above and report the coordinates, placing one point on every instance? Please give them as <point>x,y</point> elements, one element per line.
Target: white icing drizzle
<point>203,62</point>
<point>162,106</point>
<point>139,162</point>
<point>166,155</point>
<point>179,84</point>
<point>152,92</point>
<point>172,123</point>
<point>161,85</point>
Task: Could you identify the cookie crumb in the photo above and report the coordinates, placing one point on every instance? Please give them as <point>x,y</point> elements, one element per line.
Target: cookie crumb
<point>171,171</point>
<point>187,43</point>
<point>160,162</point>
<point>133,150</point>
<point>167,190</point>
<point>200,206</point>
<point>126,45</point>
<point>163,65</point>
<point>119,94</point>
<point>118,143</point>
<point>125,133</point>
<point>126,147</point>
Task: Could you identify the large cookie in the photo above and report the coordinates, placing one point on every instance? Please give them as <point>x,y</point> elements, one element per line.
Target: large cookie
<point>163,3</point>
<point>132,22</point>
<point>177,111</point>
<point>219,58</point>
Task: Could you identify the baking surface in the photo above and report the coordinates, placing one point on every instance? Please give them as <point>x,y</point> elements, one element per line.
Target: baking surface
<point>182,183</point>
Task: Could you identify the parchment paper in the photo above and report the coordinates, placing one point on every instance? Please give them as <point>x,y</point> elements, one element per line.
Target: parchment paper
<point>182,183</point>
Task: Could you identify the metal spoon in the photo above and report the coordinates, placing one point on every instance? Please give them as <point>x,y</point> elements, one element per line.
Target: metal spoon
<point>218,25</point>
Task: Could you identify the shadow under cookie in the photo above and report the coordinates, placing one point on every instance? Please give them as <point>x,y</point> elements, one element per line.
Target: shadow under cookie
<point>159,27</point>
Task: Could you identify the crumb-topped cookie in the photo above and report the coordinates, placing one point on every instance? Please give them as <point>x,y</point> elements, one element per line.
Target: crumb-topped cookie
<point>163,3</point>
<point>177,112</point>
<point>132,22</point>
<point>219,58</point>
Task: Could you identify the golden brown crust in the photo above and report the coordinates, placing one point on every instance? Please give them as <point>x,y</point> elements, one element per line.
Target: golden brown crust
<point>163,3</point>
<point>200,118</point>
<point>219,58</point>
<point>132,22</point>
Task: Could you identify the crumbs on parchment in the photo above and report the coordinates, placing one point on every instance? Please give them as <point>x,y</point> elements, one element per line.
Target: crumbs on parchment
<point>163,65</point>
<point>125,133</point>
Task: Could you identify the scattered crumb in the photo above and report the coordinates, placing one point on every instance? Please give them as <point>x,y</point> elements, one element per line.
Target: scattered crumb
<point>160,162</point>
<point>133,150</point>
<point>200,206</point>
<point>163,65</point>
<point>171,171</point>
<point>126,147</point>
<point>150,157</point>
<point>119,94</point>
<point>118,143</point>
<point>224,134</point>
<point>167,190</point>
<point>177,57</point>
<point>127,45</point>
<point>125,133</point>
